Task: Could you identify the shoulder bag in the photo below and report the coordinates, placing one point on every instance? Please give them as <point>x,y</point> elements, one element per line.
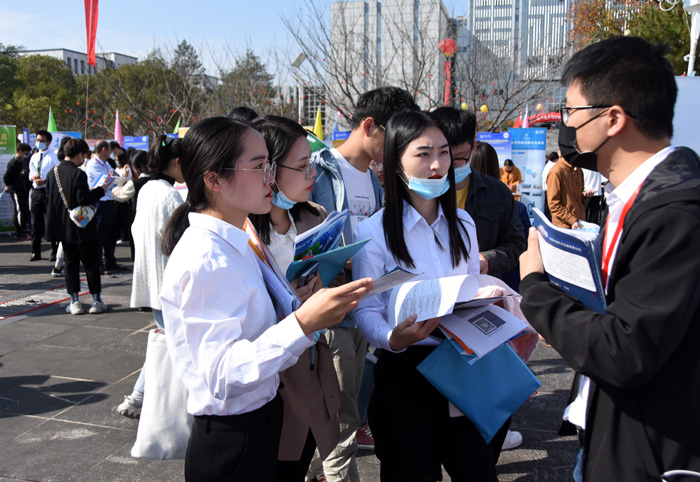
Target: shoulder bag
<point>81,215</point>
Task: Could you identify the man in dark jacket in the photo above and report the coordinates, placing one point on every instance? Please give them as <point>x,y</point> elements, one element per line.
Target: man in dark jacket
<point>16,188</point>
<point>637,404</point>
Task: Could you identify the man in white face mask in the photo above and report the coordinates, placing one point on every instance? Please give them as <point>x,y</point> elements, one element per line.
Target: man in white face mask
<point>40,165</point>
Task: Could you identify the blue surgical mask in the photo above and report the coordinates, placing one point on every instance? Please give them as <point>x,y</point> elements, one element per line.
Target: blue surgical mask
<point>41,145</point>
<point>282,201</point>
<point>427,188</point>
<point>462,172</point>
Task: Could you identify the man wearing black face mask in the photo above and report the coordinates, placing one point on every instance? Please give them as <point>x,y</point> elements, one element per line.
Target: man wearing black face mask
<point>636,401</point>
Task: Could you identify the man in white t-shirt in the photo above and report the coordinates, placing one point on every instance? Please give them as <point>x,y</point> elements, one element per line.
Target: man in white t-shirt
<point>345,181</point>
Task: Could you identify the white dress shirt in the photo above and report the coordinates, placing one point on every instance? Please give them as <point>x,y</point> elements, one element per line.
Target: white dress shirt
<point>220,323</point>
<point>375,260</point>
<point>41,163</point>
<point>96,167</point>
<point>282,245</point>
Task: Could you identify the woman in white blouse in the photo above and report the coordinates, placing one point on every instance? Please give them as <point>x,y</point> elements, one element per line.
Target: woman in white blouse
<point>421,230</point>
<point>158,201</point>
<point>223,337</point>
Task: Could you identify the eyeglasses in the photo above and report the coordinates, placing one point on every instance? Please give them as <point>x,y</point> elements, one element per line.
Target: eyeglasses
<point>465,160</point>
<point>268,171</point>
<point>376,165</point>
<point>307,171</point>
<point>564,110</point>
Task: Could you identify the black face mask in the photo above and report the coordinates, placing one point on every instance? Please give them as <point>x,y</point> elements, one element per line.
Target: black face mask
<point>567,147</point>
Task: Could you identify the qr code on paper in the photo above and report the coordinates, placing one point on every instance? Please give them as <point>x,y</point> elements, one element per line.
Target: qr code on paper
<point>487,322</point>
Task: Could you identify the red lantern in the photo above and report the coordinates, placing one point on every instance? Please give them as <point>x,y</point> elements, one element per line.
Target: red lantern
<point>448,47</point>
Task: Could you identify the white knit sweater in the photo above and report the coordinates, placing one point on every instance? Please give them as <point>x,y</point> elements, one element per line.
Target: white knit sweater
<point>157,202</point>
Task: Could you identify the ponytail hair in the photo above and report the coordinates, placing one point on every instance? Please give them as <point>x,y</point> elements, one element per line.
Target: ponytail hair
<point>210,145</point>
<point>162,152</point>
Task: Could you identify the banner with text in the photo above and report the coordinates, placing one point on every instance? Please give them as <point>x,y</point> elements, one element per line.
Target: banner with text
<point>8,147</point>
<point>529,148</point>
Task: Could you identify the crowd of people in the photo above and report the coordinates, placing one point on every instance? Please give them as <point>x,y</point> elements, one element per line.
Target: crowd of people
<point>291,399</point>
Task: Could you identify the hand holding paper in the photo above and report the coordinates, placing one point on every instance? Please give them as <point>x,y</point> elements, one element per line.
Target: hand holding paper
<point>409,332</point>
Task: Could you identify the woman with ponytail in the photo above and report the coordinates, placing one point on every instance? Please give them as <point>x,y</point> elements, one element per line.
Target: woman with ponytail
<point>224,338</point>
<point>158,200</point>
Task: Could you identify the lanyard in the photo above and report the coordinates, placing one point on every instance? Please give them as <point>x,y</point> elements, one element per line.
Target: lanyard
<point>607,252</point>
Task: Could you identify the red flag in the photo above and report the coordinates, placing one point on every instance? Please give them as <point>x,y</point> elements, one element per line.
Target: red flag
<point>91,29</point>
<point>447,81</point>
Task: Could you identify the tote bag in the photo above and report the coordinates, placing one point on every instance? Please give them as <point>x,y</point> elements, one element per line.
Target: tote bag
<point>488,391</point>
<point>164,426</point>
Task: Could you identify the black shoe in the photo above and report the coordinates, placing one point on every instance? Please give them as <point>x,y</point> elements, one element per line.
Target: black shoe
<point>35,257</point>
<point>57,272</point>
<point>115,267</point>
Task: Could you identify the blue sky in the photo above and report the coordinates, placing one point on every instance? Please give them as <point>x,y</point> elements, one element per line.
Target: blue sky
<point>135,27</point>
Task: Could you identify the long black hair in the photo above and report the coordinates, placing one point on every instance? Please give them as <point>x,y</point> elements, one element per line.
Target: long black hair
<point>401,130</point>
<point>209,146</point>
<point>162,151</point>
<point>486,160</point>
<point>280,134</point>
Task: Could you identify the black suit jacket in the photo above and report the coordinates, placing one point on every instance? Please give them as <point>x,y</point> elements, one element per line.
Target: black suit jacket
<point>641,354</point>
<point>59,226</point>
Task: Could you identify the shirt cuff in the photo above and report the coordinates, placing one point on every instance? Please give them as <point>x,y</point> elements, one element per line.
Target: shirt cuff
<point>291,331</point>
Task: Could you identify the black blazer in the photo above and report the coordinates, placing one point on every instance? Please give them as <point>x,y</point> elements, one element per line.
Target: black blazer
<point>59,226</point>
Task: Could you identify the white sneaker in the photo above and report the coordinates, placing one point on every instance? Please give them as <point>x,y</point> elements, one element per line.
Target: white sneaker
<point>130,408</point>
<point>76,308</point>
<point>513,439</point>
<point>97,307</point>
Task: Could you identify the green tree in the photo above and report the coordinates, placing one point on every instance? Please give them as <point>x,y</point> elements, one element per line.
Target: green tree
<point>8,78</point>
<point>594,20</point>
<point>43,82</point>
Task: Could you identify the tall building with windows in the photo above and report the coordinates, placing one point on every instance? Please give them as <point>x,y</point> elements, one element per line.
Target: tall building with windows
<point>389,42</point>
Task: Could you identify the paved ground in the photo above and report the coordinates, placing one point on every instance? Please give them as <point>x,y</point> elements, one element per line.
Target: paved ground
<point>62,376</point>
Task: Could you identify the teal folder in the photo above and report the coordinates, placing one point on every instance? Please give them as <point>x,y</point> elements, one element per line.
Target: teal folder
<point>488,391</point>
<point>330,262</point>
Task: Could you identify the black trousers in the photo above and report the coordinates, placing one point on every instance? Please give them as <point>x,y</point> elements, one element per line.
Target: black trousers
<point>236,447</point>
<point>413,432</point>
<point>73,255</point>
<point>288,471</point>
<point>106,219</point>
<point>38,205</point>
<point>20,211</point>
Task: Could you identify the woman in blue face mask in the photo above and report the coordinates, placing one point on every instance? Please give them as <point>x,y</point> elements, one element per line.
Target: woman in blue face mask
<point>421,230</point>
<point>309,389</point>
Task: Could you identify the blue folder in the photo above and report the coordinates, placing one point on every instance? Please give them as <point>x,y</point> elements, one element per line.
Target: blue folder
<point>488,391</point>
<point>330,262</point>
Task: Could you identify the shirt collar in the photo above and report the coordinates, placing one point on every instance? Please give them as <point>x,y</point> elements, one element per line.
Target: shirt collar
<point>411,217</point>
<point>228,232</point>
<point>626,189</point>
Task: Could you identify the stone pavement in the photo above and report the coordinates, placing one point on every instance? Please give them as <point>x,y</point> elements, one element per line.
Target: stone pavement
<point>62,376</point>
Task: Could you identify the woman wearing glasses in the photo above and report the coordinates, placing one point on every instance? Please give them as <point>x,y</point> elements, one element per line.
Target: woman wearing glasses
<point>309,389</point>
<point>223,335</point>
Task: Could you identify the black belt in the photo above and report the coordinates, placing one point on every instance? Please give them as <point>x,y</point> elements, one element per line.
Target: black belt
<point>243,421</point>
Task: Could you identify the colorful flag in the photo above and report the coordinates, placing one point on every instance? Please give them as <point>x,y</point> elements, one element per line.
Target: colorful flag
<point>318,125</point>
<point>52,123</point>
<point>177,127</point>
<point>91,29</point>
<point>118,130</point>
<point>526,121</point>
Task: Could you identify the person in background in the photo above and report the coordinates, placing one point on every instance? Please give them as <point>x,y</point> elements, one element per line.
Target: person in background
<point>345,181</point>
<point>159,200</point>
<point>593,192</point>
<point>243,114</point>
<point>57,271</point>
<point>511,175</point>
<point>378,170</point>
<point>224,337</point>
<point>124,208</point>
<point>106,209</point>
<point>115,148</point>
<point>499,231</point>
<point>16,188</point>
<point>421,230</point>
<point>565,195</point>
<point>40,165</point>
<point>66,184</point>
<point>552,158</point>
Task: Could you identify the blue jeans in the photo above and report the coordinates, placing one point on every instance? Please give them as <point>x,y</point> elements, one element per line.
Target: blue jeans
<point>141,381</point>
<point>577,472</point>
